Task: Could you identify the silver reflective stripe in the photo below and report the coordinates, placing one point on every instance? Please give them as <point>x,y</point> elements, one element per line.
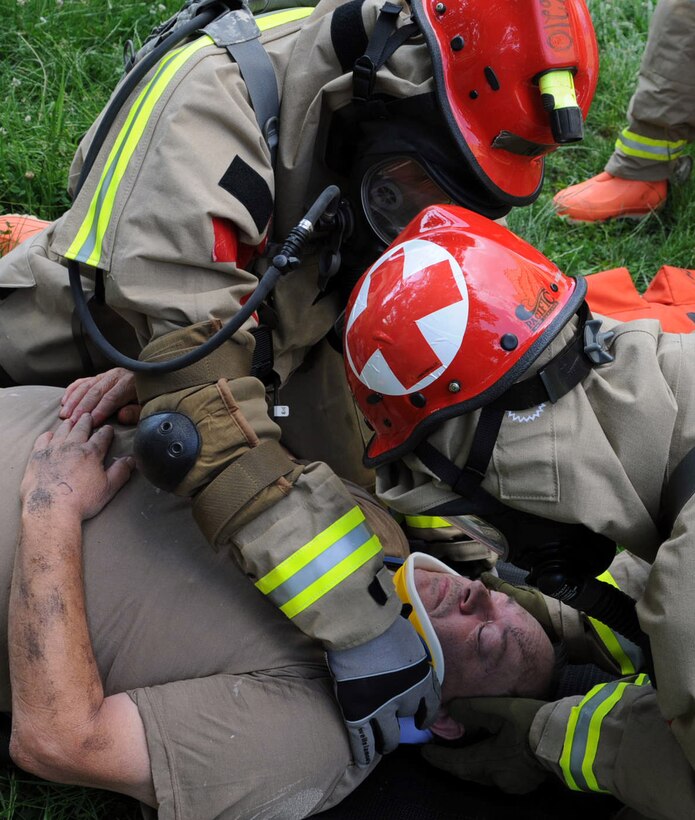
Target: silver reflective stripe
<point>659,150</point>
<point>319,566</point>
<point>581,735</point>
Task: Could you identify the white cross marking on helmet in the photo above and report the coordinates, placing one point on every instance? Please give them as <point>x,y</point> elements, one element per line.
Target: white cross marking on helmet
<point>442,330</point>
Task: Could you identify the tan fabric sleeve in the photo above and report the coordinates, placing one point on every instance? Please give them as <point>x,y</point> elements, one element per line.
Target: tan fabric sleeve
<point>385,526</point>
<point>666,615</point>
<point>586,640</point>
<point>314,555</point>
<point>200,157</point>
<point>665,609</point>
<point>637,757</point>
<point>237,747</point>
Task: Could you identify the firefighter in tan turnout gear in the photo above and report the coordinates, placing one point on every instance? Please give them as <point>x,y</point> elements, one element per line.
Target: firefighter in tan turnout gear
<point>502,405</point>
<point>177,189</point>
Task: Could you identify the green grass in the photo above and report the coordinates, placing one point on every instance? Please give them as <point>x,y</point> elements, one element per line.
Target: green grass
<point>60,61</point>
<point>25,798</point>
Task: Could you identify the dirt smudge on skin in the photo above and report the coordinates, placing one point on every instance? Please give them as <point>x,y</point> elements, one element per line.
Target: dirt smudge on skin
<point>33,646</point>
<point>39,501</point>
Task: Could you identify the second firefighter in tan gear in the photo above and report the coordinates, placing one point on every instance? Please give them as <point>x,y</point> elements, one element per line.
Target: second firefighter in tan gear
<point>601,446</point>
<point>650,150</point>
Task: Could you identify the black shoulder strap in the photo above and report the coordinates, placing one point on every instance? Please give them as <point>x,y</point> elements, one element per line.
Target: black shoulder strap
<point>467,479</point>
<point>382,44</point>
<point>238,32</point>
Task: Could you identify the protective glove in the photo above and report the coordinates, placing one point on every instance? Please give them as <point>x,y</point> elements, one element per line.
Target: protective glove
<point>532,600</point>
<point>380,680</point>
<point>504,759</point>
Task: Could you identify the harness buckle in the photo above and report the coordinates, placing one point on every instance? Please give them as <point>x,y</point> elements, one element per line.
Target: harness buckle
<point>363,78</point>
<point>596,341</point>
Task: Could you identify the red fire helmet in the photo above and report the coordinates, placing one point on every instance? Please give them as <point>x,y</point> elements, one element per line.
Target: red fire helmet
<point>445,321</point>
<point>502,70</point>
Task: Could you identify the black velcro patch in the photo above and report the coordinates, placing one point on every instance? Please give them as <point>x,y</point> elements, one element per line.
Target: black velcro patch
<point>249,187</point>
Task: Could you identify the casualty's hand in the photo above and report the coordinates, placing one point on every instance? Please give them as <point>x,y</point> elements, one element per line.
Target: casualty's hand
<point>504,758</point>
<point>380,680</point>
<point>102,395</point>
<point>66,473</point>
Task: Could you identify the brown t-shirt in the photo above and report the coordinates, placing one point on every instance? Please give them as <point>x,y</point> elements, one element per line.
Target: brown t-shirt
<point>237,703</point>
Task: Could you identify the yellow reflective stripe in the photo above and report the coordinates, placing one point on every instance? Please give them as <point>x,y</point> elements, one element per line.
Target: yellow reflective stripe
<point>426,522</point>
<point>583,733</point>
<point>299,559</point>
<point>331,579</point>
<point>606,634</point>
<point>613,646</point>
<point>565,757</point>
<point>272,19</point>
<point>650,141</point>
<point>594,735</point>
<point>88,243</point>
<point>635,145</point>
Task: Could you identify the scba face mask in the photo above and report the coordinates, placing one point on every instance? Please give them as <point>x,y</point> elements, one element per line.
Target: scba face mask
<point>406,163</point>
<point>394,191</point>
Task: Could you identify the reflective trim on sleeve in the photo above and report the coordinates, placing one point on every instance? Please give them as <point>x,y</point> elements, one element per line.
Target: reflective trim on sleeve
<point>426,522</point>
<point>635,145</point>
<point>584,733</point>
<point>87,245</point>
<point>626,654</point>
<point>321,564</point>
<point>271,19</point>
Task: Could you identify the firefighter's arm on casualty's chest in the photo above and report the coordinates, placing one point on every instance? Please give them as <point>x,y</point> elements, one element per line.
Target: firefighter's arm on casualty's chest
<point>205,432</point>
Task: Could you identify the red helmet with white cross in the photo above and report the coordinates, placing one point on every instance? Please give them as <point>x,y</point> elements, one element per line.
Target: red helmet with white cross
<point>445,321</point>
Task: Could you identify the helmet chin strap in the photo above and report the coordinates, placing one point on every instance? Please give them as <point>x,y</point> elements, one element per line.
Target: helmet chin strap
<point>563,559</point>
<point>562,373</point>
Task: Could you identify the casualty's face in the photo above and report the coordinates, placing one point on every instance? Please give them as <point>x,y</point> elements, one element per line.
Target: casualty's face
<point>491,645</point>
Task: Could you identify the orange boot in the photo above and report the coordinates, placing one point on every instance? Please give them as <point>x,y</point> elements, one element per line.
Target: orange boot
<point>607,197</point>
<point>15,228</point>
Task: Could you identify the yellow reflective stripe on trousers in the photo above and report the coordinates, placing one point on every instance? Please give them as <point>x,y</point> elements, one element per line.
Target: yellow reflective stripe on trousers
<point>635,145</point>
<point>584,733</point>
<point>87,245</point>
<point>626,654</point>
<point>426,522</point>
<point>321,564</point>
<point>278,18</point>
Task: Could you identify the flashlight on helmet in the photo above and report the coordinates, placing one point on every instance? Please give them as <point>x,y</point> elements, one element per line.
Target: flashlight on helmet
<point>560,101</point>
